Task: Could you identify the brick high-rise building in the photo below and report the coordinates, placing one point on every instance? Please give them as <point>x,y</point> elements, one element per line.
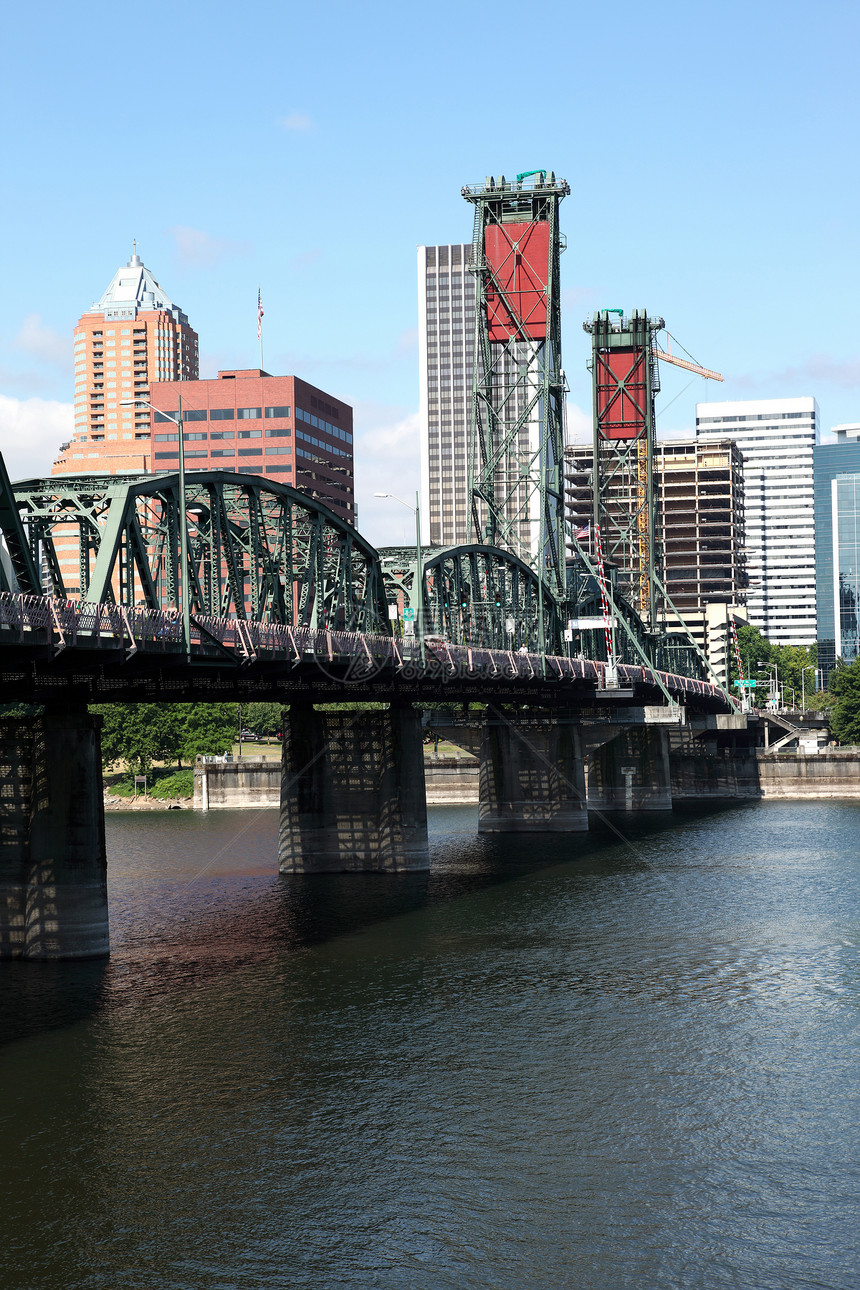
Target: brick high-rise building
<point>249,421</point>
<point>132,336</point>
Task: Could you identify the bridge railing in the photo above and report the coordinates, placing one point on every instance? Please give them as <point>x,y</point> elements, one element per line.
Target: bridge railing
<point>349,656</point>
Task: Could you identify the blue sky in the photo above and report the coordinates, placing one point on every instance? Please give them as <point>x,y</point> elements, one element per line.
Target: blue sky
<point>711,153</point>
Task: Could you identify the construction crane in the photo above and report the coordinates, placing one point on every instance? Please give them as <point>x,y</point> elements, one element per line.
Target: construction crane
<point>666,356</point>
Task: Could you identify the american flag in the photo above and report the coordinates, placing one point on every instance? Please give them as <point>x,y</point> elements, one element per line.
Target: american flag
<point>583,532</point>
<point>259,314</point>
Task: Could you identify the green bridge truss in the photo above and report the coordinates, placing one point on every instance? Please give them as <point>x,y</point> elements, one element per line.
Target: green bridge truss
<point>265,552</point>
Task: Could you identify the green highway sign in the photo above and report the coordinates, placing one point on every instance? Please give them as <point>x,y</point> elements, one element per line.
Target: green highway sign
<point>409,615</point>
<point>749,684</point>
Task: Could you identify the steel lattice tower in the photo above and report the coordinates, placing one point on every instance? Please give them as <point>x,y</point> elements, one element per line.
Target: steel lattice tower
<point>516,426</point>
<point>625,377</point>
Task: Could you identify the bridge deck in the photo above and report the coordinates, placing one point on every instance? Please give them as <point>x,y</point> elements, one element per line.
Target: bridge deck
<point>51,649</point>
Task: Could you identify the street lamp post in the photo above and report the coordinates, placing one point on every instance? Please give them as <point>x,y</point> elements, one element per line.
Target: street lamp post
<point>803,671</point>
<point>183,525</point>
<point>419,566</point>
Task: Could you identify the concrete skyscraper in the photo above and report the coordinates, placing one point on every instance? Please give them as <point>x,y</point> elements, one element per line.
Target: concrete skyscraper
<point>446,330</point>
<point>130,337</point>
<point>777,438</point>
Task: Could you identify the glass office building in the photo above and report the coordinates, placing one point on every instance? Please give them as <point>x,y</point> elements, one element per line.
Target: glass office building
<point>837,545</point>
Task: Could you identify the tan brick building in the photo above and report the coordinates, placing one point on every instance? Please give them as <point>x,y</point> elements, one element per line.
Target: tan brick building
<point>133,336</point>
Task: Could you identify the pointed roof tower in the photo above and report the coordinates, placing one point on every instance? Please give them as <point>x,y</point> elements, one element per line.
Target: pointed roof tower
<point>134,287</point>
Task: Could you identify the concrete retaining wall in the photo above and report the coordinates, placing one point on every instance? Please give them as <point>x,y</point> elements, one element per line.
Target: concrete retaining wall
<point>237,784</point>
<point>451,781</point>
<point>821,775</point>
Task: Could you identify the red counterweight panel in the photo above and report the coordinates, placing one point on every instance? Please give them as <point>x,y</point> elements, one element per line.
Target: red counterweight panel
<point>518,255</point>
<point>622,396</point>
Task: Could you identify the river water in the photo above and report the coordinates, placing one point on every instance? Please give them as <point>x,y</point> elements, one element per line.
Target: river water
<point>582,1062</point>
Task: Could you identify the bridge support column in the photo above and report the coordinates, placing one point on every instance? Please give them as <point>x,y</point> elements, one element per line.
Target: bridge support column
<point>532,776</point>
<point>352,792</point>
<point>53,867</point>
<point>631,772</point>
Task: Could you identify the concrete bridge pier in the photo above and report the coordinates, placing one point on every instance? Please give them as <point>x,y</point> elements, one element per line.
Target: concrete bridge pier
<point>630,772</point>
<point>532,775</point>
<point>352,792</point>
<point>53,865</point>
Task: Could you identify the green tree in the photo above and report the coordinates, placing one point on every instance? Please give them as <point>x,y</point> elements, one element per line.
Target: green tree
<point>139,734</point>
<point>262,718</point>
<point>844,686</point>
<point>207,728</point>
<point>795,665</point>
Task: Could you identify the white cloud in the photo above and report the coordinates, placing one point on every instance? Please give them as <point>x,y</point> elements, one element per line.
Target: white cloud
<point>297,121</point>
<point>31,431</point>
<point>387,460</point>
<point>579,424</point>
<point>43,342</point>
<point>196,248</point>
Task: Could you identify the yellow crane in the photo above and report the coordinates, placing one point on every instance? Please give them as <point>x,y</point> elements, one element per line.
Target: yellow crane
<point>667,356</point>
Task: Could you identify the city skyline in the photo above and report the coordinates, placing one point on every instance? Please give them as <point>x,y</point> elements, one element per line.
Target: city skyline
<point>727,237</point>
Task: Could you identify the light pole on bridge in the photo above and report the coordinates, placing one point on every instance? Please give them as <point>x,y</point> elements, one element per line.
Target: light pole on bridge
<point>183,519</point>
<point>419,568</point>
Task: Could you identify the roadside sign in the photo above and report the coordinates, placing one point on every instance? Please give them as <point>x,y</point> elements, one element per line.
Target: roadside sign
<point>408,615</point>
<point>751,685</point>
<point>393,613</point>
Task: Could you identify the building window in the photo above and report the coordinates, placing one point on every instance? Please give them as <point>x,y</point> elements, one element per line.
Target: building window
<point>197,435</point>
<point>250,434</point>
<point>277,412</point>
<point>194,414</point>
<point>248,414</point>
<point>221,414</point>
<point>223,452</point>
<point>167,456</point>
<point>166,438</point>
<point>279,452</point>
<point>278,433</point>
<point>163,416</point>
<point>220,434</point>
<point>250,452</point>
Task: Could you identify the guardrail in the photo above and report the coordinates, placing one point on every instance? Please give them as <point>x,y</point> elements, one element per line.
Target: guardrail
<point>66,624</point>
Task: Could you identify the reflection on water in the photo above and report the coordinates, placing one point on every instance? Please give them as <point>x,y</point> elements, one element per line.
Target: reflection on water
<point>549,1062</point>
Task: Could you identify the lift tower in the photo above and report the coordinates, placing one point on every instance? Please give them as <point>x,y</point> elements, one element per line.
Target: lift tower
<point>516,429</point>
<point>625,378</point>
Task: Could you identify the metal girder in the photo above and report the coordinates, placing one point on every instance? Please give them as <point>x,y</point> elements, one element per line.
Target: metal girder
<point>22,572</point>
<point>625,378</point>
<point>475,595</point>
<point>257,549</point>
<point>516,427</point>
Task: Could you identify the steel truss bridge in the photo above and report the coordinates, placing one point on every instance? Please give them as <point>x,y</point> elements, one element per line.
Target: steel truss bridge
<point>287,598</point>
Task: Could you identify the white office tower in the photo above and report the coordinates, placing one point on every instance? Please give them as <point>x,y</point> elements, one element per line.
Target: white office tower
<point>446,328</point>
<point>776,437</point>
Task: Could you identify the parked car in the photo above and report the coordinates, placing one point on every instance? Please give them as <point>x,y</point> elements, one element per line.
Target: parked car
<point>247,734</point>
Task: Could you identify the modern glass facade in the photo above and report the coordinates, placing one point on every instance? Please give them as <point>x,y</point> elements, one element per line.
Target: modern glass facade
<point>837,546</point>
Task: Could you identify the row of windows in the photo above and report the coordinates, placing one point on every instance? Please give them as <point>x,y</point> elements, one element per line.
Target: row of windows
<point>223,434</point>
<point>326,447</point>
<point>224,414</point>
<point>320,424</point>
<point>227,452</point>
<point>761,416</point>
